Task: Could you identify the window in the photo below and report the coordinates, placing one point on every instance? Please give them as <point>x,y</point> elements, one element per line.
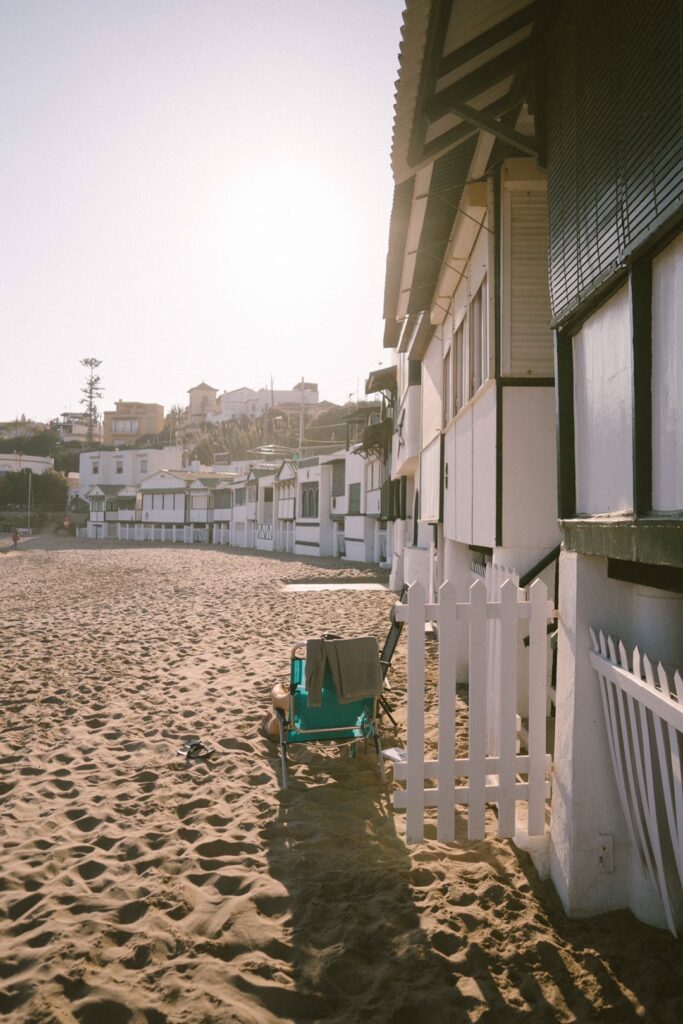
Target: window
<point>479,354</point>
<point>309,500</point>
<point>241,496</point>
<point>459,367</point>
<point>200,501</point>
<point>95,466</point>
<point>338,479</point>
<point>143,465</point>
<point>470,352</point>
<point>446,390</point>
<point>354,499</point>
<point>125,427</point>
<point>374,476</point>
<point>119,467</point>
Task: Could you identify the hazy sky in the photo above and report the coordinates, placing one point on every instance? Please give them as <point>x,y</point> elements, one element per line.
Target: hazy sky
<point>192,190</point>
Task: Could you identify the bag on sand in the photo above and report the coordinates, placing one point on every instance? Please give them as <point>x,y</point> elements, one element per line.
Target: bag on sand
<point>279,698</point>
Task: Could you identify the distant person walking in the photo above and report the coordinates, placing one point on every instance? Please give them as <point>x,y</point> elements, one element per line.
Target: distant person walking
<point>14,537</point>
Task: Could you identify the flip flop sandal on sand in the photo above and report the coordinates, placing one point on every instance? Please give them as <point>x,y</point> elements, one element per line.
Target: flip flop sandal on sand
<point>195,751</point>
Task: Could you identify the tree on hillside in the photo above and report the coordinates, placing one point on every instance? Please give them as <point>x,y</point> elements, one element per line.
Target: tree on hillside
<point>49,490</point>
<point>91,391</point>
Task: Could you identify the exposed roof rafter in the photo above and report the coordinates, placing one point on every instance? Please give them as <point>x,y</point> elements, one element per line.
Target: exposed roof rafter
<point>525,143</point>
<point>486,40</point>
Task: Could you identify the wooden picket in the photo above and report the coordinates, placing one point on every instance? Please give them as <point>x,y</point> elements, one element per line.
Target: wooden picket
<point>503,778</point>
<point>644,720</point>
<point>495,576</point>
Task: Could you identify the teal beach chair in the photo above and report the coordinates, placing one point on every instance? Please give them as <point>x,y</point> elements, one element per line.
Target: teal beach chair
<point>331,722</point>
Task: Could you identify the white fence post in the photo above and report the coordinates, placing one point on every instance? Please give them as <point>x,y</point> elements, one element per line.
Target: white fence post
<point>508,708</point>
<point>491,777</point>
<point>479,693</point>
<point>415,728</point>
<point>447,713</point>
<point>538,674</point>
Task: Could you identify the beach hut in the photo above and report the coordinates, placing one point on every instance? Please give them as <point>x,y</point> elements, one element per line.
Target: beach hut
<point>109,504</point>
<point>467,304</point>
<point>538,160</point>
<point>284,506</point>
<point>612,79</point>
<point>239,511</point>
<point>313,527</point>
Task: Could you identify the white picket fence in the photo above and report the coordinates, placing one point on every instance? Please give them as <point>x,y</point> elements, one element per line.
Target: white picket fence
<point>644,717</point>
<point>186,534</point>
<point>495,577</point>
<point>502,778</point>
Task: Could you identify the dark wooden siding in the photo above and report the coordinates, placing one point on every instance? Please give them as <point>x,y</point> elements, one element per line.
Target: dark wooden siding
<point>615,138</point>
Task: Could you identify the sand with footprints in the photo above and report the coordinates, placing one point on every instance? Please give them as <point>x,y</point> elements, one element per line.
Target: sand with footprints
<point>135,888</point>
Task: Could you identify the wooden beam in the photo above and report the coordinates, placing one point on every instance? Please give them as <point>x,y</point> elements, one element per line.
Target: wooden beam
<point>525,143</point>
<point>484,78</point>
<point>461,132</point>
<point>482,43</point>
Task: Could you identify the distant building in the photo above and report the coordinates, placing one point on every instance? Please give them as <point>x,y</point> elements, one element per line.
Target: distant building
<point>232,405</point>
<point>15,462</point>
<point>131,421</point>
<point>202,405</point>
<point>124,468</point>
<point>74,426</point>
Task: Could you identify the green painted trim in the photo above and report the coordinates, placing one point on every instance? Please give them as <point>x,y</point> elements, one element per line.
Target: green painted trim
<point>564,425</point>
<point>653,541</point>
<point>662,577</point>
<point>497,339</point>
<point>641,315</point>
<point>527,382</point>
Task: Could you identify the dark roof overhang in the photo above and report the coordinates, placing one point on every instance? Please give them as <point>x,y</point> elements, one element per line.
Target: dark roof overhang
<point>383,379</point>
<point>462,73</point>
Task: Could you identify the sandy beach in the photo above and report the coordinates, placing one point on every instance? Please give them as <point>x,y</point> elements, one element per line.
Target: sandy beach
<point>137,888</point>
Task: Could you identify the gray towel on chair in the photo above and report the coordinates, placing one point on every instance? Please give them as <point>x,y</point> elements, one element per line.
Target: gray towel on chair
<point>355,667</point>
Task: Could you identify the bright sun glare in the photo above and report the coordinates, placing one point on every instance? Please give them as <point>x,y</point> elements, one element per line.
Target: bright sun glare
<point>291,228</point>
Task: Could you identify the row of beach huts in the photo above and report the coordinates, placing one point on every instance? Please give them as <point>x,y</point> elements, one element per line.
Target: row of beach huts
<point>531,417</point>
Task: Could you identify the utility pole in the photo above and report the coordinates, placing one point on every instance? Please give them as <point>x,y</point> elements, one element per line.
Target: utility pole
<point>28,518</point>
<point>301,422</point>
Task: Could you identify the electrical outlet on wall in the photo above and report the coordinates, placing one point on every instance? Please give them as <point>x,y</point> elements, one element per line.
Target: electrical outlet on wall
<point>605,852</point>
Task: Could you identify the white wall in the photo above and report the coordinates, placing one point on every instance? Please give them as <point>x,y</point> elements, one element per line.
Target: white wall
<point>484,467</point>
<point>460,480</point>
<point>603,408</point>
<point>529,471</point>
<point>470,506</point>
<point>667,379</point>
<point>585,801</point>
<point>432,385</point>
<point>133,460</point>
